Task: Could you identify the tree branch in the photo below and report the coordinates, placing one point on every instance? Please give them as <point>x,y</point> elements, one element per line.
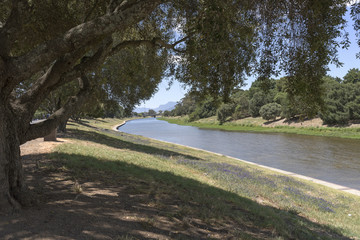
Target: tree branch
<point>131,43</point>
<point>56,76</point>
<point>45,84</point>
<point>155,42</point>
<point>13,25</point>
<point>172,45</point>
<point>91,11</point>
<point>41,129</point>
<point>23,67</point>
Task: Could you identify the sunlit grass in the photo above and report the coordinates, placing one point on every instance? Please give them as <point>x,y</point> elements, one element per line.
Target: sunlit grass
<point>209,186</point>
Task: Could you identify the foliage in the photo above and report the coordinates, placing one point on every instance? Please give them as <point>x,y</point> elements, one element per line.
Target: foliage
<point>258,100</point>
<point>132,75</point>
<point>303,58</point>
<point>224,111</point>
<point>186,106</point>
<point>166,113</point>
<point>261,92</point>
<point>241,101</point>
<point>204,109</point>
<point>352,76</point>
<point>270,111</point>
<point>220,52</point>
<point>210,45</point>
<point>342,103</point>
<point>151,112</point>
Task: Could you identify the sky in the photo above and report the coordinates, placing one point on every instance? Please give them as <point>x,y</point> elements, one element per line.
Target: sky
<point>163,96</point>
<point>177,91</point>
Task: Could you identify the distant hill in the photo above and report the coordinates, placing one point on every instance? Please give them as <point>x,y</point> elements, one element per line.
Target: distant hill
<point>140,110</point>
<point>168,106</point>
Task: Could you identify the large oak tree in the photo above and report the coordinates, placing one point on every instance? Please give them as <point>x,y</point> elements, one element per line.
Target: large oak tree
<point>209,44</point>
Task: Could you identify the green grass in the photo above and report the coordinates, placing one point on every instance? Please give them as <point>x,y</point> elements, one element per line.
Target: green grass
<point>253,203</point>
<point>254,125</point>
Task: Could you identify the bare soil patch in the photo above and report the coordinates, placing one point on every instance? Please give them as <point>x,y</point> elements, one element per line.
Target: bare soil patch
<point>315,122</point>
<point>296,122</point>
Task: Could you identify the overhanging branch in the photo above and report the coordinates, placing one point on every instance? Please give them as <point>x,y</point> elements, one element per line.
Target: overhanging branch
<point>155,42</point>
<point>23,67</point>
<point>13,25</point>
<point>58,75</point>
<point>73,104</point>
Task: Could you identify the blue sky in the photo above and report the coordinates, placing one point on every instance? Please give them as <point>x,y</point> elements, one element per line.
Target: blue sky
<point>177,92</point>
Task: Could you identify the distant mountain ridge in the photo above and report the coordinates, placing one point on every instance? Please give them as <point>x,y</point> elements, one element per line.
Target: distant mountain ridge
<point>167,106</point>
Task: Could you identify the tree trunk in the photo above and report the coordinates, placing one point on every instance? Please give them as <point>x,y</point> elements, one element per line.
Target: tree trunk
<point>12,194</point>
<point>62,126</point>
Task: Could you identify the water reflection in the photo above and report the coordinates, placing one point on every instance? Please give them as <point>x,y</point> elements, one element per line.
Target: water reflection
<point>330,159</point>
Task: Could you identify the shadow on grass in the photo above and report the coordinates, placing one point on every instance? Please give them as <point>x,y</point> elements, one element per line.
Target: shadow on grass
<point>273,121</point>
<point>85,123</point>
<point>144,204</point>
<point>116,142</point>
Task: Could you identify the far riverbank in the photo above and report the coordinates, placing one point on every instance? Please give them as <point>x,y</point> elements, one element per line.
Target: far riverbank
<point>313,127</point>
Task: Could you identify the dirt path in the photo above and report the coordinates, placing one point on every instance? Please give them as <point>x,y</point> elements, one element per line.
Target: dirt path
<point>39,146</point>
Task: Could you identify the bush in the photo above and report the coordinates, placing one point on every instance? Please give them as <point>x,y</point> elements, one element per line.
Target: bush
<point>205,109</point>
<point>270,111</point>
<point>225,111</point>
<point>166,113</point>
<point>336,113</point>
<point>242,108</point>
<point>256,102</point>
<point>342,103</point>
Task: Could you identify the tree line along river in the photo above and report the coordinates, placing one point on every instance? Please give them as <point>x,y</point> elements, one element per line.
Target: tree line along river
<point>334,160</point>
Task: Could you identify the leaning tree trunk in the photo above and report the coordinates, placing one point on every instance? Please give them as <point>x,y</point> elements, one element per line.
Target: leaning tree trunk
<point>62,125</point>
<point>11,171</point>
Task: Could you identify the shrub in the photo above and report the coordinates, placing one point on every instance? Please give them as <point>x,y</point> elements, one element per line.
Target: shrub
<point>205,109</point>
<point>342,103</point>
<point>242,108</point>
<point>225,111</point>
<point>256,102</point>
<point>270,111</point>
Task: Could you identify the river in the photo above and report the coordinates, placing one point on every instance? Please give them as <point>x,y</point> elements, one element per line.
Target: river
<point>334,160</point>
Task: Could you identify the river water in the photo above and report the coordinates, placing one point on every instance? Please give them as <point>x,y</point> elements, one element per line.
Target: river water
<point>335,160</point>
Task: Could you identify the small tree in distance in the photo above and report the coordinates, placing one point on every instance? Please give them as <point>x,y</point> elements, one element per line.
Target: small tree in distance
<point>225,111</point>
<point>270,111</point>
<point>151,112</point>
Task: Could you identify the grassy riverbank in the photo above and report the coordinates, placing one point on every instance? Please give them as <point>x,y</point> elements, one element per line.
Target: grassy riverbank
<point>181,193</point>
<point>257,125</point>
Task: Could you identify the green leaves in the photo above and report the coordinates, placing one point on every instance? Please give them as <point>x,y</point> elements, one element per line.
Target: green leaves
<point>219,51</point>
<point>342,102</point>
<point>224,42</point>
<point>300,43</point>
<point>270,111</point>
<point>352,76</point>
<point>132,75</point>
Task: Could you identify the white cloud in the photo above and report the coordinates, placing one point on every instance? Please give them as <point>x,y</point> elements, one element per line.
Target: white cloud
<point>352,2</point>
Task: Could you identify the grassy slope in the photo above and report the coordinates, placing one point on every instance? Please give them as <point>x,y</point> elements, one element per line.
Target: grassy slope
<point>254,125</point>
<point>244,201</point>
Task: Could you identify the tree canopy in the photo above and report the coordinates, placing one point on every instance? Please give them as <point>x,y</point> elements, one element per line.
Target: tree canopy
<point>353,76</point>
<point>341,103</point>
